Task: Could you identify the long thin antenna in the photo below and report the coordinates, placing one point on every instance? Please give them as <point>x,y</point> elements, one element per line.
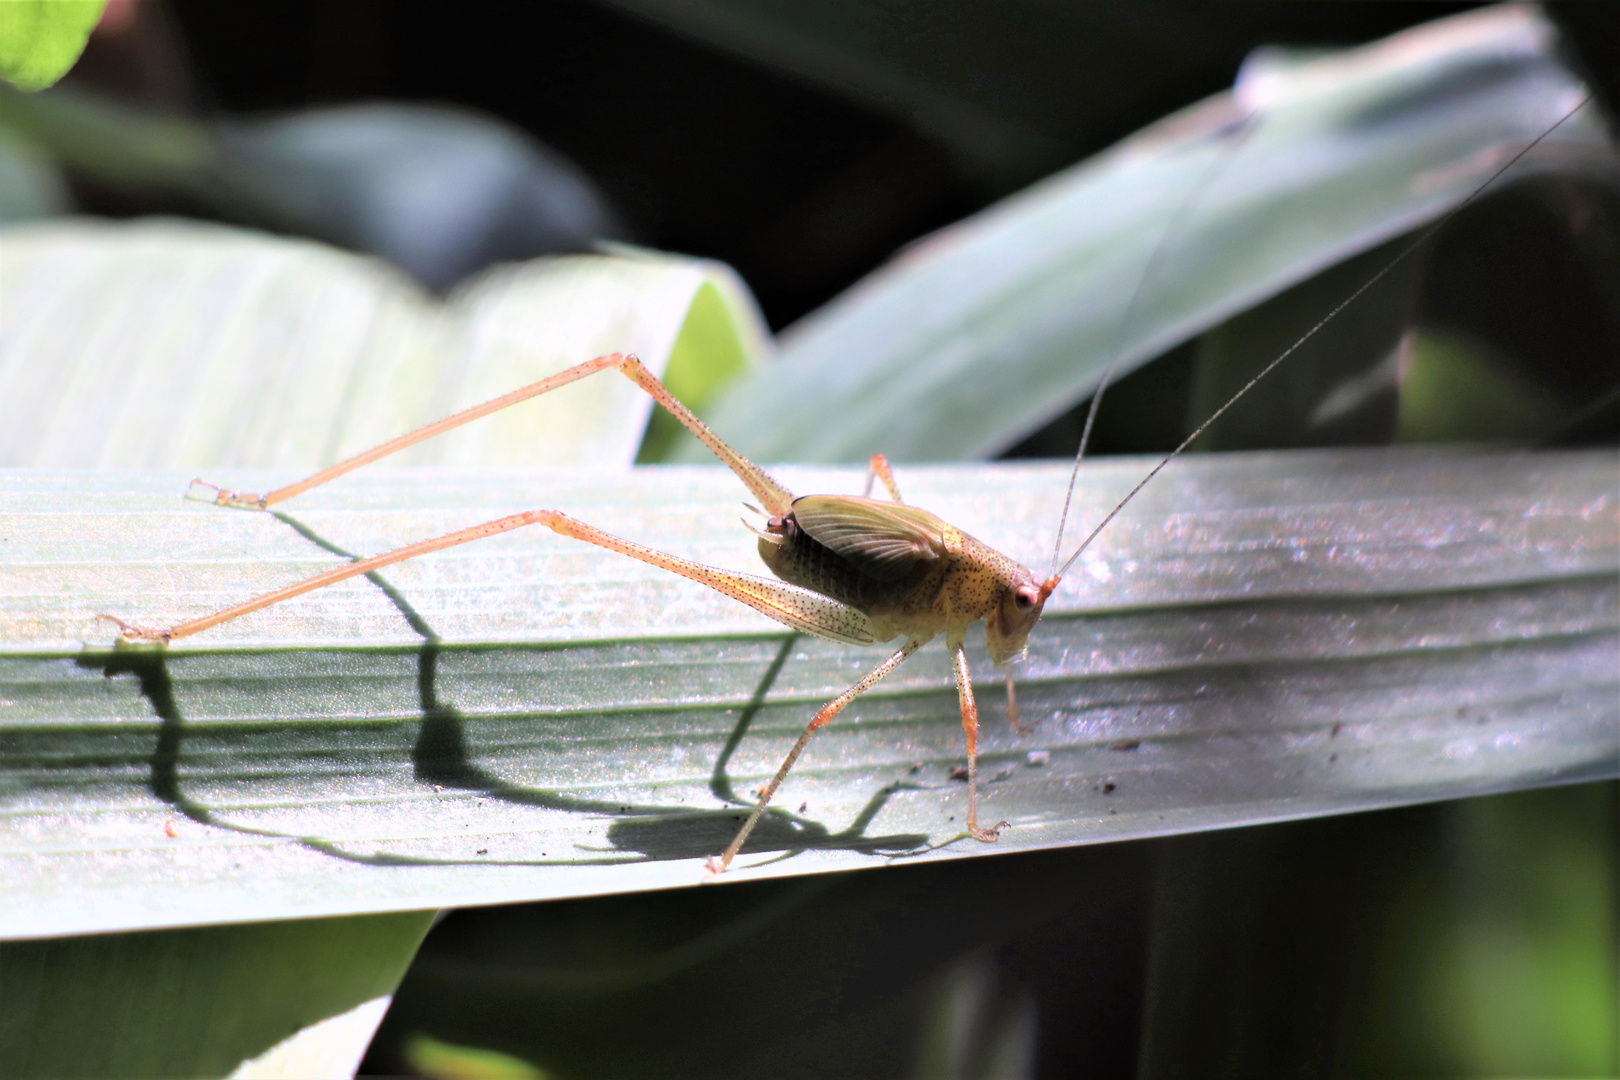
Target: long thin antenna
<point>1422,239</point>
<point>1117,347</point>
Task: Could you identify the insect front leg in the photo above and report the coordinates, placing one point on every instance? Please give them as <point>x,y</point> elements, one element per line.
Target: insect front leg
<point>970,727</point>
<point>821,719</point>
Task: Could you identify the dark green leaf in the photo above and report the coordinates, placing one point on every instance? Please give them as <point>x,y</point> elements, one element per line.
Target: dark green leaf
<point>984,332</point>
<point>273,999</point>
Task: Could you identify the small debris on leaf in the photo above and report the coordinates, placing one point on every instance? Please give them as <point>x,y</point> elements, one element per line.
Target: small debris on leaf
<point>1038,758</point>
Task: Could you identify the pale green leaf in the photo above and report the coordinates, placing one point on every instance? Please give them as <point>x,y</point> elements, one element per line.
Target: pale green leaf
<point>181,345</point>
<point>1261,636</point>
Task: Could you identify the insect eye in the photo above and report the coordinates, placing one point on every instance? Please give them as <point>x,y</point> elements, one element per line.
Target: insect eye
<point>1025,599</point>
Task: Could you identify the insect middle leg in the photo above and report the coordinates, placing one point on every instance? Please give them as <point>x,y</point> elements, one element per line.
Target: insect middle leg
<point>878,469</point>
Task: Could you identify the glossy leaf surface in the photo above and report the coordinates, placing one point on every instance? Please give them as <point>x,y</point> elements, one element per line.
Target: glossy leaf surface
<point>1260,637</point>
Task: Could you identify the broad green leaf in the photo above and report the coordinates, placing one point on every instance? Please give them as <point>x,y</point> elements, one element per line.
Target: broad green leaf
<point>166,344</point>
<point>1260,637</point>
<point>985,331</point>
<point>40,39</point>
<point>272,999</point>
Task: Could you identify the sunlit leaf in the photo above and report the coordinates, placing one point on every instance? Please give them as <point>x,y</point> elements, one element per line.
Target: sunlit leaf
<point>164,344</point>
<point>1260,637</point>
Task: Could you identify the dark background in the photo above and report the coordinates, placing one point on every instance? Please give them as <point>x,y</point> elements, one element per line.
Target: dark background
<point>804,185</point>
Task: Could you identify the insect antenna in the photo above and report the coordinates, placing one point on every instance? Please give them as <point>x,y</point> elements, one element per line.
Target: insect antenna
<point>1421,239</point>
<point>1237,130</point>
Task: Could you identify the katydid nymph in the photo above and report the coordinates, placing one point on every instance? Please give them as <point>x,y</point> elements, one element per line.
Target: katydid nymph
<point>851,569</point>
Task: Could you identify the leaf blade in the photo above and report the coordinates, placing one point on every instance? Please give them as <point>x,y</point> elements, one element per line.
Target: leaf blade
<point>592,728</point>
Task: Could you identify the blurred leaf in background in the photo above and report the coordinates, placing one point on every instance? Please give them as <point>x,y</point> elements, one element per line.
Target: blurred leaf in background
<point>972,340</point>
<point>1474,938</point>
<point>169,344</point>
<point>440,192</point>
<point>439,1060</point>
<point>296,998</point>
<point>40,39</point>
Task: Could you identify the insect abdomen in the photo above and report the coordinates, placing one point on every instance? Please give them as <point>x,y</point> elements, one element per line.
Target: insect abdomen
<point>799,559</point>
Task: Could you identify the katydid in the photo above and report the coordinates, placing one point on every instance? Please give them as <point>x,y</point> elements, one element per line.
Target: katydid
<point>851,569</point>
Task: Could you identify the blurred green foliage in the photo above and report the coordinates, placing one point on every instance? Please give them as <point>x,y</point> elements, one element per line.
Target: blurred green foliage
<point>1471,938</point>
<point>438,1060</point>
<point>40,39</point>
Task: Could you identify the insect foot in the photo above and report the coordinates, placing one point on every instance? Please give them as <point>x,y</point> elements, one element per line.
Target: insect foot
<point>131,632</point>
<point>990,835</point>
<point>242,500</point>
